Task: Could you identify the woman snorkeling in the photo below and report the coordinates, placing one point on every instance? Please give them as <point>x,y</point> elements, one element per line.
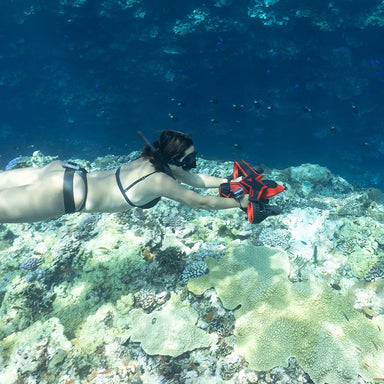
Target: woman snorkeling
<point>35,194</point>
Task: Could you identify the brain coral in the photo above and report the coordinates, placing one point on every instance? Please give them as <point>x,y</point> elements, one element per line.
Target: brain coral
<point>278,319</point>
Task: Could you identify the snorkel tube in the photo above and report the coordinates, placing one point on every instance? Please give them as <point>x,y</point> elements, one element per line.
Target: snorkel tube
<point>146,141</point>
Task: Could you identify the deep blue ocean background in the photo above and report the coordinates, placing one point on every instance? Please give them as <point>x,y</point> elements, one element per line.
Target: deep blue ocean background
<point>278,83</point>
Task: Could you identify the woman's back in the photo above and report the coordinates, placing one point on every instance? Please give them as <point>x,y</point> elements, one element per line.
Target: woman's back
<point>105,195</point>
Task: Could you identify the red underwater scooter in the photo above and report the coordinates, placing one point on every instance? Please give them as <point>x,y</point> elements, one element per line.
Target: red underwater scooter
<point>259,191</point>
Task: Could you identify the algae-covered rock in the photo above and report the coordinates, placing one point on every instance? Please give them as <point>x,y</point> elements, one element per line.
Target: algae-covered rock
<point>108,258</point>
<point>278,319</point>
<point>376,212</point>
<point>170,331</point>
<point>362,261</point>
<point>107,325</point>
<point>312,173</point>
<point>112,255</point>
<point>40,346</point>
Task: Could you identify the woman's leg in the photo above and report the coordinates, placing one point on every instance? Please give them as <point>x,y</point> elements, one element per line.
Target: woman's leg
<point>25,176</point>
<point>41,199</point>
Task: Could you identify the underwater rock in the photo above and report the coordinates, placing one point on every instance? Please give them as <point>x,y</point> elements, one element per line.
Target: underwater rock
<point>24,302</point>
<point>108,325</point>
<point>25,353</point>
<point>36,160</point>
<point>314,174</point>
<point>376,212</point>
<point>107,162</point>
<point>87,227</point>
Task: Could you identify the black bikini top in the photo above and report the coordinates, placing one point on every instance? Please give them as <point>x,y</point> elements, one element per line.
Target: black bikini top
<point>151,203</point>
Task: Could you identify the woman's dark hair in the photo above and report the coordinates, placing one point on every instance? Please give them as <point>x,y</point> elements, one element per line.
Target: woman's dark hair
<point>170,146</point>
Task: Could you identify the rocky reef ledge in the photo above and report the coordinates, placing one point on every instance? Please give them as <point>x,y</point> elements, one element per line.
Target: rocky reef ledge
<point>172,295</point>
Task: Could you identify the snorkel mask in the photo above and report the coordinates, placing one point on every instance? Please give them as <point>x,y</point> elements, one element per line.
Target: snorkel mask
<point>187,163</point>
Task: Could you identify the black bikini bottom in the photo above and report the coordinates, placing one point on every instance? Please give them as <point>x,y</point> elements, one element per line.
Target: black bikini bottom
<point>69,174</point>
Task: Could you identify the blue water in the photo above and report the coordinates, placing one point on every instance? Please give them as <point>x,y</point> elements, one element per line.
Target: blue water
<point>79,81</point>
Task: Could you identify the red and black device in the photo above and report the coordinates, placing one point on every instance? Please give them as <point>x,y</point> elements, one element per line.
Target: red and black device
<point>259,191</point>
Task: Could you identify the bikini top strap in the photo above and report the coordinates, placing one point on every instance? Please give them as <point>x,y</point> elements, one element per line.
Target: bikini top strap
<point>117,174</point>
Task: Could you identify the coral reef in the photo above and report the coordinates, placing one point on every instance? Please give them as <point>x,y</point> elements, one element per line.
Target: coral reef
<point>30,264</point>
<point>306,320</point>
<point>102,298</point>
<point>194,269</point>
<point>42,346</point>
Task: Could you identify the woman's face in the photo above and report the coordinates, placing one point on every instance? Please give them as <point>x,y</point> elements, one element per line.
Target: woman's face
<point>188,151</point>
<point>188,161</point>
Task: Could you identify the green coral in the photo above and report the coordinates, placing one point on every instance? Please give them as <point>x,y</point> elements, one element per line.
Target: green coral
<point>170,331</point>
<point>278,319</point>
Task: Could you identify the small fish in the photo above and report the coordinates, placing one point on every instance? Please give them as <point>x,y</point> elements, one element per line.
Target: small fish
<point>315,254</point>
<point>370,313</point>
<point>12,163</point>
<point>139,214</point>
<point>179,103</point>
<point>336,286</point>
<point>104,371</point>
<point>375,345</point>
<point>173,116</point>
<point>104,248</point>
<point>237,107</point>
<point>333,129</point>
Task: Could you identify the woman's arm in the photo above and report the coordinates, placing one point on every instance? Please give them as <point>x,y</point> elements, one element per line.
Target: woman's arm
<point>170,189</point>
<point>197,180</point>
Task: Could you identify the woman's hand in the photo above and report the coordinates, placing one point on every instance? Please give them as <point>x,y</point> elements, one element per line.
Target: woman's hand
<point>243,201</point>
